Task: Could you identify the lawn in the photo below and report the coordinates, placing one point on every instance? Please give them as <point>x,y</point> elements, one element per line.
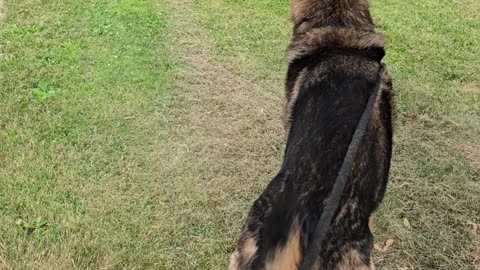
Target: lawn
<point>135,134</point>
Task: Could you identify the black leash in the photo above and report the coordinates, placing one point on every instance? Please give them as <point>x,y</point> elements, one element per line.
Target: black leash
<point>333,202</point>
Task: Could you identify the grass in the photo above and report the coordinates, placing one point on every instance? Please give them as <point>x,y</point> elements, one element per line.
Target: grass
<point>136,134</point>
<point>82,82</point>
<point>431,54</point>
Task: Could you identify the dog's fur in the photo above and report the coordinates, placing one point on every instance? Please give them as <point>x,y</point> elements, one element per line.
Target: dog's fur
<point>334,60</point>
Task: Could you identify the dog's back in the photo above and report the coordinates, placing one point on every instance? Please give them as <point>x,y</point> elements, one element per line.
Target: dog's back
<point>332,72</point>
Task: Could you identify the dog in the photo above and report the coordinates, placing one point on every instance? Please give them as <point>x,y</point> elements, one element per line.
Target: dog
<point>334,61</point>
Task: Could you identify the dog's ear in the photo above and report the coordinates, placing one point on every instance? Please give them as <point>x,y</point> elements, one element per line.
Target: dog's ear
<point>297,10</point>
<point>304,10</point>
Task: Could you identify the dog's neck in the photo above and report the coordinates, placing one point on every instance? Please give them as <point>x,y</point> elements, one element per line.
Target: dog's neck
<point>354,14</point>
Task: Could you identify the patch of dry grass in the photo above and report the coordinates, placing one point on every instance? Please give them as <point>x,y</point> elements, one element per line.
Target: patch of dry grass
<point>227,140</point>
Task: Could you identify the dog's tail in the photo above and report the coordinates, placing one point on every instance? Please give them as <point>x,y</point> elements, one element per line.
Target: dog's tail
<point>282,231</point>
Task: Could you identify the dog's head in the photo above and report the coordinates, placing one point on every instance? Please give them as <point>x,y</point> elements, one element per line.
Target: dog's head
<point>346,13</point>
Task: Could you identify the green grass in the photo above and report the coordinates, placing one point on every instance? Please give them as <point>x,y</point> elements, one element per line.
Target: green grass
<point>135,134</point>
<point>82,82</point>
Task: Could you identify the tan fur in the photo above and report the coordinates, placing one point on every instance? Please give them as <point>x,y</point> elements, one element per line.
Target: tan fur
<point>249,248</point>
<point>345,210</point>
<point>376,120</point>
<point>352,259</point>
<point>385,81</point>
<point>289,256</point>
<point>385,86</point>
<point>316,39</point>
<point>234,261</point>
<point>371,223</point>
<point>298,8</point>
<point>291,99</point>
<point>245,251</point>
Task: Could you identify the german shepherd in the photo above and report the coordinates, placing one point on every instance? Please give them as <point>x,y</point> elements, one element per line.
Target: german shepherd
<point>334,62</point>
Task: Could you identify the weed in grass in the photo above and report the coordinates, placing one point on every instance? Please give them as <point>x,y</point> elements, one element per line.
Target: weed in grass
<point>43,91</point>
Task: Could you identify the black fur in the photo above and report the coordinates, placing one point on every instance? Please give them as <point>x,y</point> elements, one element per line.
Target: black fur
<point>335,87</point>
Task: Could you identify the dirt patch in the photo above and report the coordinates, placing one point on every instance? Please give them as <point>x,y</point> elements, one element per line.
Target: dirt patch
<point>223,110</point>
<point>229,122</point>
<point>471,88</point>
<point>226,140</point>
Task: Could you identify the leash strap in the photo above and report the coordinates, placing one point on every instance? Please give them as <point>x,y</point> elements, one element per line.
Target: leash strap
<point>333,202</point>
